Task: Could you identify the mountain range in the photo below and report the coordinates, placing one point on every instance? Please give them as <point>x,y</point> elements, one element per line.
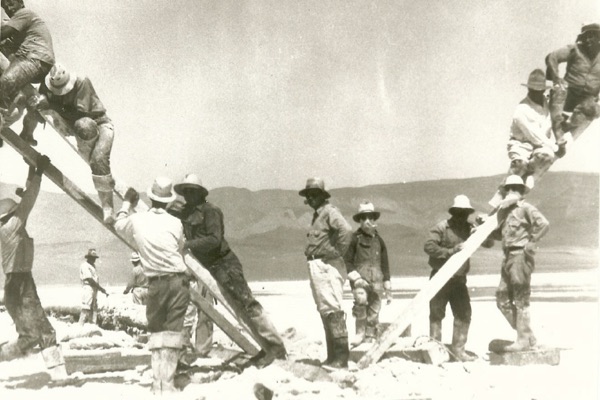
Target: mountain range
<point>266,228</point>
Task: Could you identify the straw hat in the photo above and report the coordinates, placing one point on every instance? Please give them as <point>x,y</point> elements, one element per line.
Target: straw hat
<point>314,184</point>
<point>366,208</point>
<point>161,190</point>
<point>514,180</point>
<point>461,202</point>
<point>59,81</point>
<point>191,181</point>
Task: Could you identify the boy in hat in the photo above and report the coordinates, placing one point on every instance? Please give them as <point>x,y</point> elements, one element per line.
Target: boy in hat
<point>327,242</point>
<point>521,227</point>
<point>33,54</point>
<point>368,270</point>
<point>205,238</point>
<point>159,239</point>
<point>90,286</point>
<point>75,100</point>
<point>20,294</point>
<point>578,91</point>
<point>138,284</point>
<point>445,239</point>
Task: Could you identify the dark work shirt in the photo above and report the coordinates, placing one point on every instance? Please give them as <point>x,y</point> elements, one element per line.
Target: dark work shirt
<point>205,232</point>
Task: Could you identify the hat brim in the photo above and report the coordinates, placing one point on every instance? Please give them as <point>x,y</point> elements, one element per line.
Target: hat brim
<point>159,199</point>
<point>538,88</point>
<point>472,210</point>
<point>10,210</point>
<point>356,217</point>
<point>180,187</point>
<point>61,91</point>
<point>303,192</point>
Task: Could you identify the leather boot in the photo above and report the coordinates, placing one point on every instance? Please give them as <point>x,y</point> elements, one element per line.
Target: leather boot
<point>55,362</point>
<point>360,313</point>
<point>104,184</point>
<point>370,332</point>
<point>10,351</point>
<point>275,349</point>
<point>459,340</point>
<point>339,335</point>
<point>435,330</point>
<point>525,338</point>
<point>29,124</point>
<point>165,347</point>
<point>328,341</point>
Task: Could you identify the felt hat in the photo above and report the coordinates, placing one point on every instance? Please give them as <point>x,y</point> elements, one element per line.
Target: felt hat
<point>59,81</point>
<point>191,181</point>
<point>314,184</point>
<point>590,27</point>
<point>366,208</point>
<point>536,80</point>
<point>161,190</point>
<point>92,253</point>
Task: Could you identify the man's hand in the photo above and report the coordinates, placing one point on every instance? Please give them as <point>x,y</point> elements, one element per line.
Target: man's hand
<point>38,102</point>
<point>562,150</point>
<point>457,248</point>
<point>131,196</point>
<point>42,164</point>
<point>530,248</point>
<point>125,291</point>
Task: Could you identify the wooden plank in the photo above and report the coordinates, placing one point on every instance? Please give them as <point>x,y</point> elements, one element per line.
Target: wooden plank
<point>421,301</point>
<point>93,362</point>
<point>538,355</point>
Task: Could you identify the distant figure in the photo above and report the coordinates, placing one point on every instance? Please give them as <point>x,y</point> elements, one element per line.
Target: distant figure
<point>205,237</point>
<point>138,283</point>
<point>328,239</point>
<point>20,294</point>
<point>75,99</point>
<point>521,228</point>
<point>532,146</point>
<point>369,272</point>
<point>578,91</point>
<point>159,239</point>
<point>90,286</point>
<point>31,47</point>
<point>445,239</point>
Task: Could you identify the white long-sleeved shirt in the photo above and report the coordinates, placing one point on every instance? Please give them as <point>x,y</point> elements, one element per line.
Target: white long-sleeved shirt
<point>532,124</point>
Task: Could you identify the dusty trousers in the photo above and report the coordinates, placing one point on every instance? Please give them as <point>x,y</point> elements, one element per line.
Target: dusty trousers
<point>19,73</point>
<point>24,307</point>
<point>168,299</point>
<point>456,293</point>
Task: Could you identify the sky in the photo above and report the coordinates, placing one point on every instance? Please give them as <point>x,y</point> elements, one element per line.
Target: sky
<point>263,94</point>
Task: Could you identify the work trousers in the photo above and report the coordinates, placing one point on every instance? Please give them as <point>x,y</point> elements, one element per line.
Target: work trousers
<point>24,307</point>
<point>456,293</point>
<point>168,299</point>
<point>19,73</point>
<point>204,325</point>
<point>139,295</point>
<point>515,279</point>
<point>326,283</point>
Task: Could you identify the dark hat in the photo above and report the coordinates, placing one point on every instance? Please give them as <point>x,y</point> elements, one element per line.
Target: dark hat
<point>590,27</point>
<point>536,80</point>
<point>92,254</point>
<point>314,184</point>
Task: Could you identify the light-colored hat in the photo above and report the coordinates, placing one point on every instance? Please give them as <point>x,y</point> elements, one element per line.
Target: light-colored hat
<point>7,206</point>
<point>366,208</point>
<point>590,27</point>
<point>536,80</point>
<point>312,184</point>
<point>463,202</point>
<point>191,181</point>
<point>59,81</point>
<point>514,180</point>
<point>135,257</point>
<point>161,190</point>
<point>92,253</point>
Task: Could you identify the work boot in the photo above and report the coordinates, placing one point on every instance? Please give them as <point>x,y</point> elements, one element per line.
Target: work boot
<point>29,125</point>
<point>10,351</point>
<point>328,341</point>
<point>165,347</point>
<point>104,185</point>
<point>275,349</point>
<point>360,313</point>
<point>339,335</point>
<point>525,338</point>
<point>55,362</point>
<point>435,330</point>
<point>459,339</point>
<point>370,332</point>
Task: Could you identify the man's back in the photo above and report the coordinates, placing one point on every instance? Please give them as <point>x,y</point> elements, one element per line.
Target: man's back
<point>33,36</point>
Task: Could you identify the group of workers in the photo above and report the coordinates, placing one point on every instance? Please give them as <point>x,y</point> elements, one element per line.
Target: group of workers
<point>170,228</point>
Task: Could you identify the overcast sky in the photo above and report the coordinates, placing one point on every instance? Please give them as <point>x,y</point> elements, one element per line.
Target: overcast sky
<point>263,94</point>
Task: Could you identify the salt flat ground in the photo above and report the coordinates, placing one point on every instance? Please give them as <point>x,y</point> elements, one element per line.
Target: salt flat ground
<point>564,312</point>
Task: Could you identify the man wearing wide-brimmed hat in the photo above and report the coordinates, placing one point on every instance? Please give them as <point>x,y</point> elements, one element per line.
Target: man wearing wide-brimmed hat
<point>20,294</point>
<point>75,100</point>
<point>205,233</point>
<point>531,146</point>
<point>32,54</point>
<point>159,239</point>
<point>521,226</point>
<point>578,91</point>
<point>91,286</point>
<point>328,239</point>
<point>138,283</point>
<point>445,239</point>
<point>367,260</point>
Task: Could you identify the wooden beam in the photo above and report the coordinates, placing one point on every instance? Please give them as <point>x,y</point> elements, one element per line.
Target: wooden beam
<point>97,361</point>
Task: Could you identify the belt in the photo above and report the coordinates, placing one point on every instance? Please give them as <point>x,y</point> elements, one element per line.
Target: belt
<point>164,277</point>
<point>313,257</point>
<point>512,248</point>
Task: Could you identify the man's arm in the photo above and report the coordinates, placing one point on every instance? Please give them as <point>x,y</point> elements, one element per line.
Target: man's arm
<point>212,241</point>
<point>123,224</point>
<point>433,246</point>
<point>525,119</point>
<point>6,32</point>
<point>30,194</point>
<point>385,265</point>
<point>343,229</point>
<point>350,253</point>
<point>552,62</point>
<point>95,285</point>
<point>539,224</point>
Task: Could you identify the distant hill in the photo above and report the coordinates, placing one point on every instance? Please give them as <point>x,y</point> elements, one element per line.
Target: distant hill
<point>267,228</point>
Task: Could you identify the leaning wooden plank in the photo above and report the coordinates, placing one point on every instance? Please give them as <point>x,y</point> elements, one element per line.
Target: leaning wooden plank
<point>97,361</point>
<point>421,300</point>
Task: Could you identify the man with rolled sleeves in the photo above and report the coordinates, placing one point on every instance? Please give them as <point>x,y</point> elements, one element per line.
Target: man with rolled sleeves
<point>327,242</point>
<point>90,287</point>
